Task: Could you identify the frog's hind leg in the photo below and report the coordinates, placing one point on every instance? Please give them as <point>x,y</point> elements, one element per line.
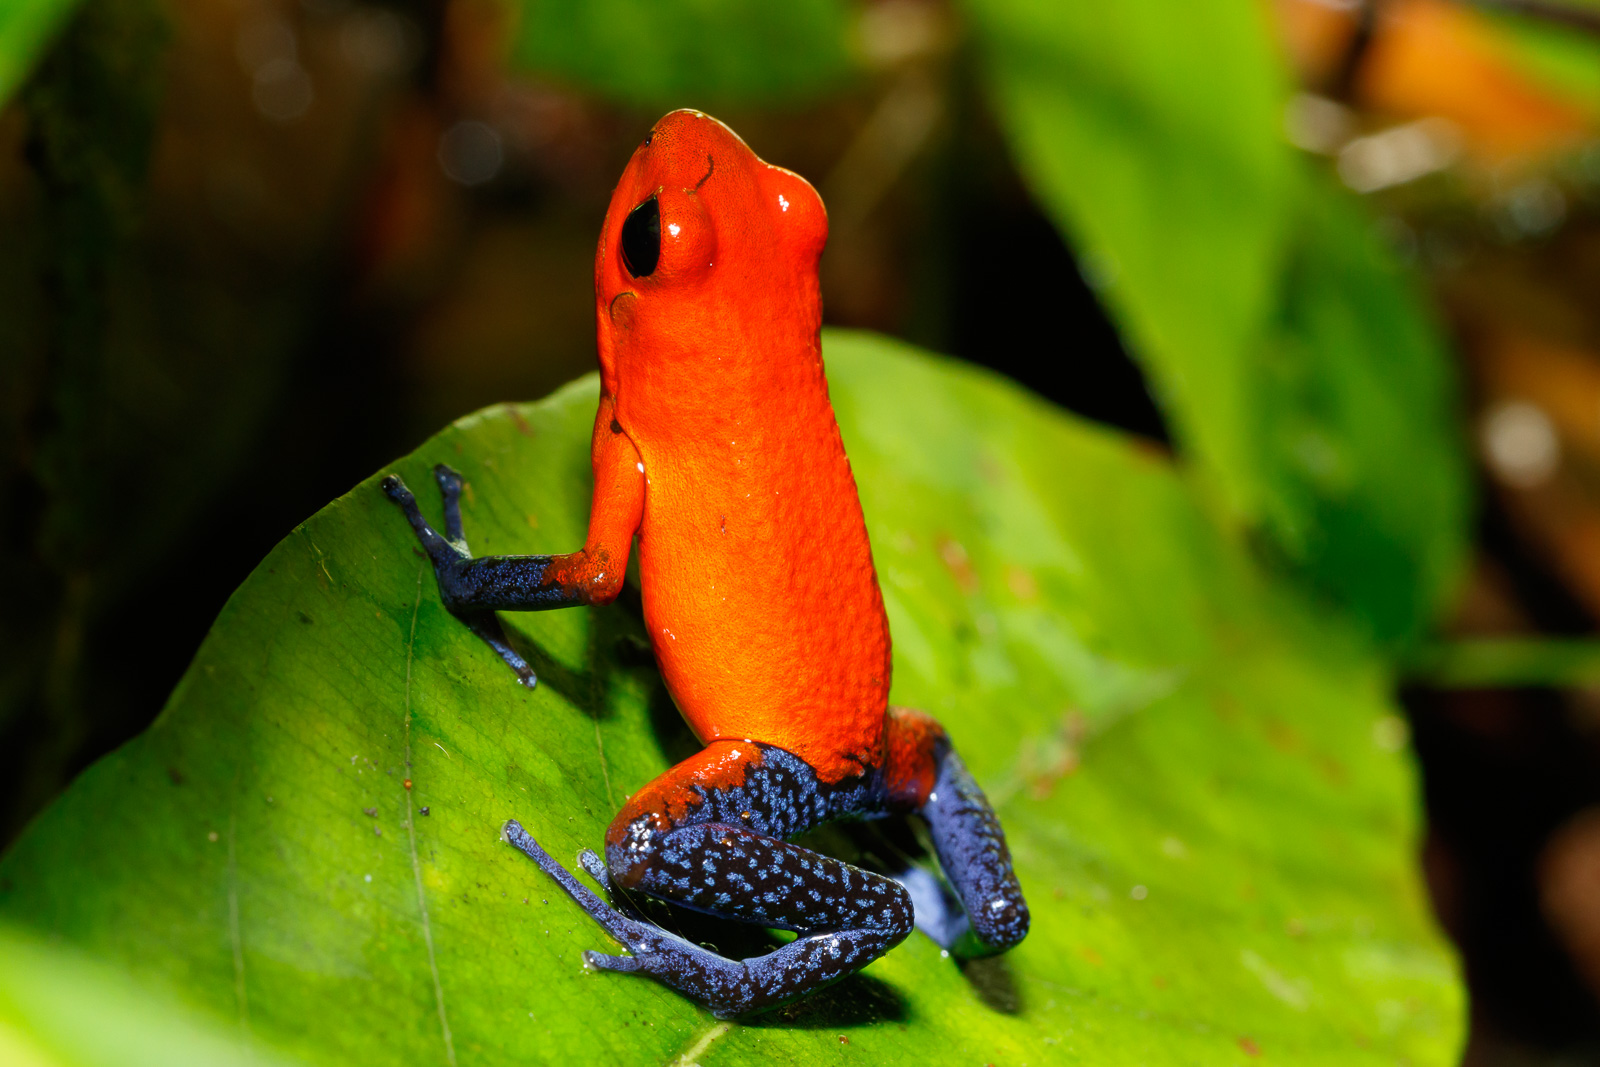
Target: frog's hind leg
<point>706,835</point>
<point>924,774</point>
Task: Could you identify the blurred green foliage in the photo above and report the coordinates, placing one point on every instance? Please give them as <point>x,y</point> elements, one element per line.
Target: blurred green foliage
<point>91,110</point>
<point>1553,53</point>
<point>1301,374</point>
<point>709,51</point>
<point>59,1008</point>
<point>26,28</point>
<point>1354,435</point>
<point>91,113</point>
<point>1202,782</point>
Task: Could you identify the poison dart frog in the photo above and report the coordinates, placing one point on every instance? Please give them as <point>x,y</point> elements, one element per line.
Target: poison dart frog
<point>716,445</point>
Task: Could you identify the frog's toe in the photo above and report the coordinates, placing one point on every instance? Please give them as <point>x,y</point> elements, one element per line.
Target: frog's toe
<point>395,489</point>
<point>602,961</point>
<point>448,477</point>
<point>596,867</point>
<point>450,493</point>
<point>444,555</point>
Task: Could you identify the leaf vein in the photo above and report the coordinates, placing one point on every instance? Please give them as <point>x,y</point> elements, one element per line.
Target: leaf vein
<point>233,926</point>
<point>690,1056</point>
<point>411,833</point>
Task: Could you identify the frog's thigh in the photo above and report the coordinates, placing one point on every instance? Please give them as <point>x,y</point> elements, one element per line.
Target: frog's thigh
<point>708,833</point>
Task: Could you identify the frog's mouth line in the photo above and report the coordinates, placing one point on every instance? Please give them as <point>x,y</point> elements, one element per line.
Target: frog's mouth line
<point>711,166</point>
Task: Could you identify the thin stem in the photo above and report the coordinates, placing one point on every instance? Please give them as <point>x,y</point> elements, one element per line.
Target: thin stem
<point>1506,662</point>
<point>1573,16</point>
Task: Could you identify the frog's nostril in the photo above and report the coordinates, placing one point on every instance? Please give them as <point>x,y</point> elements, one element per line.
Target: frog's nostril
<point>618,304</point>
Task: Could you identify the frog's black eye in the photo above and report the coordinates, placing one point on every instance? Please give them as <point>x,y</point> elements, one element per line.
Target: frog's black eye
<point>641,239</point>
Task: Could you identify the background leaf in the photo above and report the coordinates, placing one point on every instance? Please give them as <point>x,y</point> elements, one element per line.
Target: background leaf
<point>26,27</point>
<point>1205,788</point>
<point>1260,304</point>
<point>1354,433</point>
<point>688,54</point>
<point>1560,59</point>
<point>58,1009</point>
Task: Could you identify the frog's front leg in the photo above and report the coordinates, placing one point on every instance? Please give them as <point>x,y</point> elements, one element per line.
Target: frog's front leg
<point>473,588</point>
<point>925,775</point>
<point>707,835</point>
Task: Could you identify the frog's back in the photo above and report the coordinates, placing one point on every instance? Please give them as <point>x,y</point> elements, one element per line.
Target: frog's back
<point>759,589</point>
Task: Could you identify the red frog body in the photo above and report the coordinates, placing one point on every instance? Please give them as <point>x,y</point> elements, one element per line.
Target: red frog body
<point>759,591</point>
<point>715,442</point>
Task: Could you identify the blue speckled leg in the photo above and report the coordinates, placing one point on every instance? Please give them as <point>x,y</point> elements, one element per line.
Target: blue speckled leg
<point>475,587</point>
<point>972,850</point>
<point>709,835</point>
<point>847,917</point>
<point>591,862</point>
<point>735,873</point>
<point>471,584</point>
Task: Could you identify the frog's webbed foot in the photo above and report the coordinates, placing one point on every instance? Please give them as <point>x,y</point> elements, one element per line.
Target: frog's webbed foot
<point>728,987</point>
<point>450,558</point>
<point>448,552</point>
<point>939,913</point>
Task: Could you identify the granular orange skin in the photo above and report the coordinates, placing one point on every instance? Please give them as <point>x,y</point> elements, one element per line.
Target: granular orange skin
<point>716,442</point>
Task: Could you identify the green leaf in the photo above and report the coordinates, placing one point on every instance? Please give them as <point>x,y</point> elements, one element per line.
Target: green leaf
<point>1505,662</point>
<point>58,1009</point>
<point>26,29</point>
<point>692,53</point>
<point>1293,359</point>
<point>1204,786</point>
<point>1149,132</point>
<point>1354,434</point>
